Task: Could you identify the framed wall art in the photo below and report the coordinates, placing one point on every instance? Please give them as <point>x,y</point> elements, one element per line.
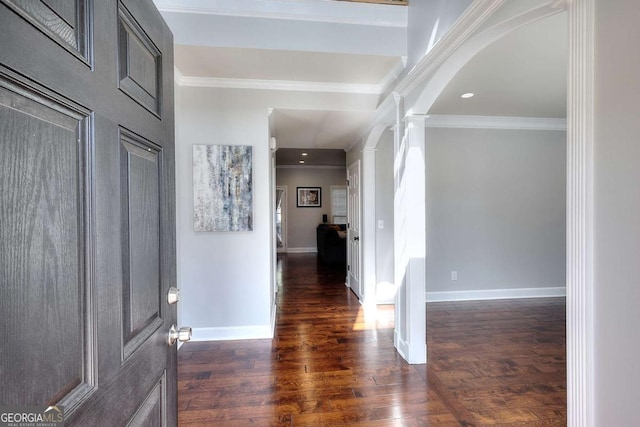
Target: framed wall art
<point>309,197</point>
<point>222,188</point>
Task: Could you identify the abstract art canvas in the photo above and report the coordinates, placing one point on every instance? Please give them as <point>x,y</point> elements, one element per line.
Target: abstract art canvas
<point>222,188</point>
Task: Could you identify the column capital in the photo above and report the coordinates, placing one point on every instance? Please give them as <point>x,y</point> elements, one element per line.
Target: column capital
<point>420,119</point>
<point>397,97</point>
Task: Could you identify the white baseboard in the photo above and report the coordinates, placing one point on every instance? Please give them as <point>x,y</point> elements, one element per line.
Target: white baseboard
<point>401,346</point>
<point>302,250</point>
<point>233,333</point>
<point>489,294</point>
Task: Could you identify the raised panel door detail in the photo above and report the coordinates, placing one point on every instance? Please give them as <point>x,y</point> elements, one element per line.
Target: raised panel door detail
<point>140,166</point>
<point>139,63</point>
<point>151,412</point>
<point>67,22</point>
<point>47,354</point>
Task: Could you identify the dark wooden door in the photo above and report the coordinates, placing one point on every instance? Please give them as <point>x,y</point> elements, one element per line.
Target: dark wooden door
<point>87,218</point>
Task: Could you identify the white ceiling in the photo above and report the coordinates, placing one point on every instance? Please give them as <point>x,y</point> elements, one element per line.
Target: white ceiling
<point>283,65</point>
<point>523,74</point>
<point>318,129</point>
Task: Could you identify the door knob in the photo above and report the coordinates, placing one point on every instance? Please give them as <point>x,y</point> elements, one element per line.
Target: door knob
<point>173,296</point>
<point>356,238</point>
<point>183,335</point>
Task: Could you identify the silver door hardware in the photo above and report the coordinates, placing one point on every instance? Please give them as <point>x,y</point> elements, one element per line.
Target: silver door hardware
<point>173,296</point>
<point>183,335</point>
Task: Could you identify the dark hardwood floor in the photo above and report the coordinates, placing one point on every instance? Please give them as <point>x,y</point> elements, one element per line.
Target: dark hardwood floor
<point>490,363</point>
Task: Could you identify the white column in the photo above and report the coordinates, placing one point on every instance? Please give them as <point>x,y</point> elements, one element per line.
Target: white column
<point>410,241</point>
<point>580,207</point>
<point>368,232</point>
<point>399,331</point>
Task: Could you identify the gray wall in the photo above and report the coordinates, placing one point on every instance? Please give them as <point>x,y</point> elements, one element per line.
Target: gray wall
<point>302,222</point>
<point>496,209</point>
<point>429,20</point>
<point>385,290</point>
<point>617,212</point>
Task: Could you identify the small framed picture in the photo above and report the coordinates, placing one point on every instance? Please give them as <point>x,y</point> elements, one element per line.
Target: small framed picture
<point>309,197</point>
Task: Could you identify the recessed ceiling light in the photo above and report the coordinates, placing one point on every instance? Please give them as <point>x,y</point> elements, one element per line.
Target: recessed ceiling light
<point>304,154</point>
<point>467,95</point>
<point>301,161</point>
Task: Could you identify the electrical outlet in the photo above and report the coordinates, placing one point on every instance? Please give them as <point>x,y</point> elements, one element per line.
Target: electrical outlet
<point>454,275</point>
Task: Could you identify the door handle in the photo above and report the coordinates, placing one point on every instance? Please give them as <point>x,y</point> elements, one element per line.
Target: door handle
<point>183,335</point>
<point>356,238</point>
<point>173,296</point>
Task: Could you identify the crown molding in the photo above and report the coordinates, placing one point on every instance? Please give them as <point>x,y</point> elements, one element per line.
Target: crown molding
<point>364,89</point>
<point>339,12</point>
<point>495,122</point>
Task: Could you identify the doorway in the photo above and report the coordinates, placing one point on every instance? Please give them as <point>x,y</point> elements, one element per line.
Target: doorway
<point>281,219</point>
<point>353,229</point>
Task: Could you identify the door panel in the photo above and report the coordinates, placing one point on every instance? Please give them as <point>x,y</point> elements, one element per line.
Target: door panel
<point>42,241</point>
<point>87,210</point>
<point>65,22</point>
<point>152,409</point>
<point>140,191</point>
<point>139,63</point>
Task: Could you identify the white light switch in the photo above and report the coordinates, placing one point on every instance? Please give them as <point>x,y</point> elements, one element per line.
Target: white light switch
<point>380,224</point>
<point>454,275</point>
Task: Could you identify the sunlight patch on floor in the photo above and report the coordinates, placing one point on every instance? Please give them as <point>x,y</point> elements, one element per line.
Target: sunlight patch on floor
<point>374,317</point>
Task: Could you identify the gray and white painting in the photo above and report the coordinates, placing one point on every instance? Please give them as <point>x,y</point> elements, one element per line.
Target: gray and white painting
<point>222,188</point>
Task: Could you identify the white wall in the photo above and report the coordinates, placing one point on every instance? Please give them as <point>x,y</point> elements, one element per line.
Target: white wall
<point>429,20</point>
<point>385,288</point>
<point>617,213</point>
<point>226,277</point>
<point>302,222</point>
<point>495,209</point>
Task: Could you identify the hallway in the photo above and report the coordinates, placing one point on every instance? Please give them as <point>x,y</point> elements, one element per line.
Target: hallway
<point>491,363</point>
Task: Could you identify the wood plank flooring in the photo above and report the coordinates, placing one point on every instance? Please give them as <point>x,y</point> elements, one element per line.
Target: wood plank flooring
<point>490,363</point>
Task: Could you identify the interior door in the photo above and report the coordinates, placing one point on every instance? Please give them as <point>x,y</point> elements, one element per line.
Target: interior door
<point>353,229</point>
<point>87,222</point>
